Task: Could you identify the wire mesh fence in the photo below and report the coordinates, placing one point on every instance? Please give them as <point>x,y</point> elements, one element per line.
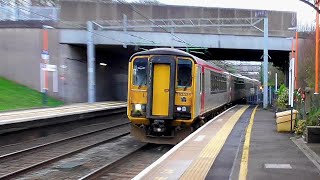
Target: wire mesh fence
<point>31,13</point>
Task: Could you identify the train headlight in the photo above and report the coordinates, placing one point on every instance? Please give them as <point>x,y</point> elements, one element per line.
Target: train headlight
<point>138,110</point>
<point>138,107</point>
<point>183,112</point>
<point>184,109</point>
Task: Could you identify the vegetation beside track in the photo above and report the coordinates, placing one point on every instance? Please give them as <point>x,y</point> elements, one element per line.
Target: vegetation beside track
<point>15,96</point>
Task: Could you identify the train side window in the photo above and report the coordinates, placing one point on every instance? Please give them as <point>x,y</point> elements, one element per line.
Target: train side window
<point>140,71</point>
<point>212,82</point>
<point>184,73</point>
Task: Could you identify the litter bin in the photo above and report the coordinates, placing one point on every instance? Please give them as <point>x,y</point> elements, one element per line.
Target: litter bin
<point>283,120</point>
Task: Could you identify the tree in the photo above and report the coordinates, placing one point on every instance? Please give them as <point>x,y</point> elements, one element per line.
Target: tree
<point>272,70</point>
<point>306,72</point>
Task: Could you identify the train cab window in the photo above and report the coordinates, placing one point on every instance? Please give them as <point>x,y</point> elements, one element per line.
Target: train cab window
<point>140,71</point>
<point>184,73</point>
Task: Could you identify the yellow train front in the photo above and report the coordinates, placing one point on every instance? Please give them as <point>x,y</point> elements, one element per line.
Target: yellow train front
<point>170,92</point>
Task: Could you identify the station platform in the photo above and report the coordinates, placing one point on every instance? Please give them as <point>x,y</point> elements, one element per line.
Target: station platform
<point>36,117</point>
<point>240,143</point>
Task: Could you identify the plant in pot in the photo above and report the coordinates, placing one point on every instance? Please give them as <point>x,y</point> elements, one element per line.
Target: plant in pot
<point>282,100</point>
<point>312,126</point>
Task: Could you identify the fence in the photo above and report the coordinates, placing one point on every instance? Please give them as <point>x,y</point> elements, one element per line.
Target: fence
<point>31,13</point>
<point>257,98</point>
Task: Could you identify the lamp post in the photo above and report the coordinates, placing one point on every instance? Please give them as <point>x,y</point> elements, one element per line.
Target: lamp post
<point>45,60</point>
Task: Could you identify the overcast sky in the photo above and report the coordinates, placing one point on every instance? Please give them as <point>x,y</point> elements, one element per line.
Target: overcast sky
<point>306,14</point>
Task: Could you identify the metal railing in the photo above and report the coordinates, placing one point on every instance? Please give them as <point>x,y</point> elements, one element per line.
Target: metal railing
<point>31,13</point>
<point>180,23</point>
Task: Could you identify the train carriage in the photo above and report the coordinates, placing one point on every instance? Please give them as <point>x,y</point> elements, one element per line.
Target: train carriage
<point>171,92</point>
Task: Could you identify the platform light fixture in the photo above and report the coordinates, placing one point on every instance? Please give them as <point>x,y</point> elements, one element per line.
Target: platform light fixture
<point>103,64</point>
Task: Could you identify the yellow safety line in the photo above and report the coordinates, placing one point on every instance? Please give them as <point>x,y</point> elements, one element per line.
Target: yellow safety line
<point>246,147</point>
<point>201,166</point>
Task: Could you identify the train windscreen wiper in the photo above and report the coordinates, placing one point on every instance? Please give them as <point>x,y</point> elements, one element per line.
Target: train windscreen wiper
<point>142,83</point>
<point>185,88</point>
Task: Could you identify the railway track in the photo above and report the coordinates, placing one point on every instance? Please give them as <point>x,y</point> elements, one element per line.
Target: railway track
<point>130,165</point>
<point>21,158</point>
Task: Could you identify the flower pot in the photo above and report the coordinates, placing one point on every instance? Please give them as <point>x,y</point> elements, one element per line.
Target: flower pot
<point>313,134</point>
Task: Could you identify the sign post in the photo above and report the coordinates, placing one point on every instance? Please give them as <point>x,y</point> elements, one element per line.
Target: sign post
<point>49,68</point>
<point>291,88</point>
<point>44,75</point>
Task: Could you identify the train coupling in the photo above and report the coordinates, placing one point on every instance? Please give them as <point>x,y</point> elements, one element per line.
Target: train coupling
<point>158,126</point>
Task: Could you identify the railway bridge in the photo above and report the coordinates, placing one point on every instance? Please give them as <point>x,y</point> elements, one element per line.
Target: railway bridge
<point>120,29</point>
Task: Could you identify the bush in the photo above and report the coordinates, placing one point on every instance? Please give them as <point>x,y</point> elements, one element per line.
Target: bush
<point>283,95</point>
<point>300,128</point>
<point>312,120</point>
<point>313,117</point>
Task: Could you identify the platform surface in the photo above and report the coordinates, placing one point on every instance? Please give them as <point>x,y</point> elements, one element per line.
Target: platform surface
<point>193,157</point>
<point>34,114</point>
<point>241,143</point>
<point>273,155</point>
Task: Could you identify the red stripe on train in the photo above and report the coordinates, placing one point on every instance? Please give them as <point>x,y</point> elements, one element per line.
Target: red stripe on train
<point>202,88</point>
<point>212,68</point>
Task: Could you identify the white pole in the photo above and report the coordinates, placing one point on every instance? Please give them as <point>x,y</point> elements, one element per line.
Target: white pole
<point>292,82</point>
<point>291,91</point>
<point>276,82</point>
<point>290,76</point>
<point>91,64</point>
<point>270,95</point>
<point>265,63</point>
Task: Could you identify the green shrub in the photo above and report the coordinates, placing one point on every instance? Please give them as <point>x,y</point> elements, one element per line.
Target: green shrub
<point>283,95</point>
<point>313,117</point>
<point>300,128</point>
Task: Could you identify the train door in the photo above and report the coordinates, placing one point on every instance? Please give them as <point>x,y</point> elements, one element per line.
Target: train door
<point>161,87</point>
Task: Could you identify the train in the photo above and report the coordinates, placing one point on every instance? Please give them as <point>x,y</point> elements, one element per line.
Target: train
<point>171,93</point>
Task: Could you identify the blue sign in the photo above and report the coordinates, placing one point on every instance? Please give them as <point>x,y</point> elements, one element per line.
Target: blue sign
<point>45,55</point>
<point>45,52</point>
<point>261,13</point>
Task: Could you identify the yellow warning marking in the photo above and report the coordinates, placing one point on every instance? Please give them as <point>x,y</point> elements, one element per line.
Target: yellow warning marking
<point>246,147</point>
<point>201,166</point>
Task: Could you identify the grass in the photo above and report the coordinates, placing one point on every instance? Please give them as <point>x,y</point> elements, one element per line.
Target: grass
<point>15,96</point>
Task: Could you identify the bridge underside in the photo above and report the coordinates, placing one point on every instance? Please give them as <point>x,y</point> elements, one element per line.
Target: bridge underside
<point>278,58</point>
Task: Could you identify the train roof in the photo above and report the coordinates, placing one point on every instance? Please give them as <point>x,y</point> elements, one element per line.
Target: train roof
<point>163,51</point>
<point>177,52</point>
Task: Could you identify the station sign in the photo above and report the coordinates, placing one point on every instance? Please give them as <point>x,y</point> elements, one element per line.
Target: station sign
<point>261,13</point>
<point>48,67</point>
